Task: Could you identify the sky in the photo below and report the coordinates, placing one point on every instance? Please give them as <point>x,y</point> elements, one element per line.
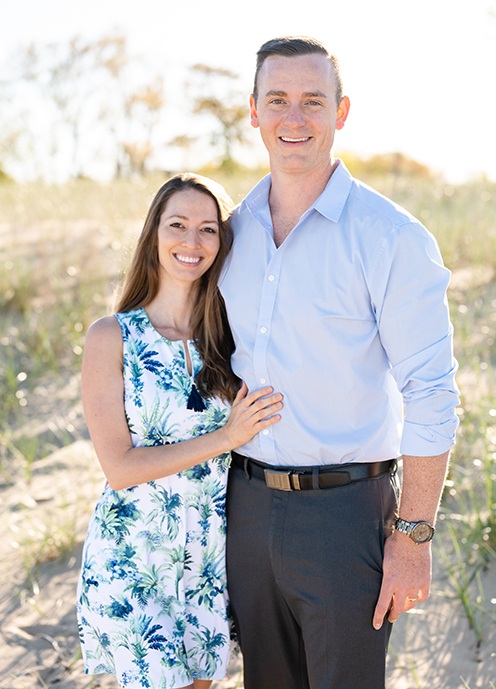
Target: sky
<point>419,73</point>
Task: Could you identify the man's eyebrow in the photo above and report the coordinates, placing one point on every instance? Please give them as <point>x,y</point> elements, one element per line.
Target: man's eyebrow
<point>314,94</point>
<point>306,94</point>
<point>273,92</point>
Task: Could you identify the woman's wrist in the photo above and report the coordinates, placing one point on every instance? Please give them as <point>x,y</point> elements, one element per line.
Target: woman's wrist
<point>224,440</point>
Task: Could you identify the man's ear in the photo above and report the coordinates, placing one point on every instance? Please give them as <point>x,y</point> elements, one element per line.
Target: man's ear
<point>342,112</point>
<point>253,112</point>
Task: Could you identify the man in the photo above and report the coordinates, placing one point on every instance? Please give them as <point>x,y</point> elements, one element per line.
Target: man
<point>336,298</point>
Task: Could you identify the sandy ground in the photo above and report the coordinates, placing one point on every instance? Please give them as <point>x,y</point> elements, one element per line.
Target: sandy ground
<point>46,515</point>
<point>432,647</point>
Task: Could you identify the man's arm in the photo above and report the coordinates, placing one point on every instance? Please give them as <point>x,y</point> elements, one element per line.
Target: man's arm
<point>407,567</point>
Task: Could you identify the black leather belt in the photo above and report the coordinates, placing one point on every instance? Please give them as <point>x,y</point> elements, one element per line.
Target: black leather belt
<point>308,478</point>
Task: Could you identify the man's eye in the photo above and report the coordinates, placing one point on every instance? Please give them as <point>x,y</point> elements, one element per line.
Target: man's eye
<point>276,101</point>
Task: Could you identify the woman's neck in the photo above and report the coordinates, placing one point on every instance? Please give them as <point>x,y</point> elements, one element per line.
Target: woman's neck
<point>170,312</point>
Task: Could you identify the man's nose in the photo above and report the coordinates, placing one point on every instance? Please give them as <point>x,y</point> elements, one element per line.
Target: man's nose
<point>295,116</point>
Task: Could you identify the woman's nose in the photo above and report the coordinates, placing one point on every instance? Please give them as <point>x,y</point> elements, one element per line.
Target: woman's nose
<point>191,238</point>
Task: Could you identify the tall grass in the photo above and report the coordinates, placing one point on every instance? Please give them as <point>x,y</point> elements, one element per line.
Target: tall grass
<point>63,249</point>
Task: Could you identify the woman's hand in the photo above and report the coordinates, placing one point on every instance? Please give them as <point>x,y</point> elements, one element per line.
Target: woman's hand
<point>251,413</point>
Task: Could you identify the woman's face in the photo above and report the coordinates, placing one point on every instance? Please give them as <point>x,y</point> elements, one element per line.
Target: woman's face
<point>188,236</point>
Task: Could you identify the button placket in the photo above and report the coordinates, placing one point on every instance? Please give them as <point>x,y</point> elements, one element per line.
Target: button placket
<point>262,340</point>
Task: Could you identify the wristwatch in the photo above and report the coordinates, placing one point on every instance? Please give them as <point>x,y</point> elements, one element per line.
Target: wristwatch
<point>419,532</point>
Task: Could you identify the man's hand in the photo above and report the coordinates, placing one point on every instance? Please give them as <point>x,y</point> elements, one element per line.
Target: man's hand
<point>407,572</point>
<point>407,566</point>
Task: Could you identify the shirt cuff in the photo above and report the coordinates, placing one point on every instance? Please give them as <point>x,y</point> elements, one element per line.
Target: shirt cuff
<point>428,441</point>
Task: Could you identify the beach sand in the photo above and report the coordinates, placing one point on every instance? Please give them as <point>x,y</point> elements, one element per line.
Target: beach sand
<point>432,647</point>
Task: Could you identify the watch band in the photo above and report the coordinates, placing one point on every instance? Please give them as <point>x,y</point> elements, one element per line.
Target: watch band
<point>419,532</point>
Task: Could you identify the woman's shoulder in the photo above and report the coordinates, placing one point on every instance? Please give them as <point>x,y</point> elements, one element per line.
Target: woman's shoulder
<point>103,343</point>
<point>104,331</point>
<point>104,326</point>
<point>115,322</point>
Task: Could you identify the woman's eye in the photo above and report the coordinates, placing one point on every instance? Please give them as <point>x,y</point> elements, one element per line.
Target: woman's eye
<point>212,230</point>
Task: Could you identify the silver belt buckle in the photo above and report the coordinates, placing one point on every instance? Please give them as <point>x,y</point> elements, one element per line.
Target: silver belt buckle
<point>282,480</point>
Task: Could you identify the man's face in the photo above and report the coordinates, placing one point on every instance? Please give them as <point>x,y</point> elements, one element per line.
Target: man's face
<point>296,111</point>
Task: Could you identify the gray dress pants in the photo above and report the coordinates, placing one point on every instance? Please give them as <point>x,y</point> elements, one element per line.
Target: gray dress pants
<point>304,572</point>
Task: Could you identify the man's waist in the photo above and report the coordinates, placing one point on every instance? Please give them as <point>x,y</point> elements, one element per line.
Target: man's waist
<point>291,478</point>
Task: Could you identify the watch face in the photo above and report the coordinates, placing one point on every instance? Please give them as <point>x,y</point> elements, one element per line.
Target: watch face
<point>421,533</point>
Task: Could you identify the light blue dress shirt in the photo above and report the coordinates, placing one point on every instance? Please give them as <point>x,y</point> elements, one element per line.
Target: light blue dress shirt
<point>348,318</point>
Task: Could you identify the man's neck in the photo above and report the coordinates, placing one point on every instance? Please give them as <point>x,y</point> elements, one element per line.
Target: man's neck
<point>291,195</point>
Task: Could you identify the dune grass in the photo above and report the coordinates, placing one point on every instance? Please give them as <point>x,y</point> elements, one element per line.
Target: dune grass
<point>62,252</point>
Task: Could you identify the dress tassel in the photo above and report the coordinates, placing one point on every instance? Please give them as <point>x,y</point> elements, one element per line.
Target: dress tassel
<point>195,401</point>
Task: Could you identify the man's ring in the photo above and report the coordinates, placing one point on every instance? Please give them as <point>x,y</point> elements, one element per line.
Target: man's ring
<point>412,600</point>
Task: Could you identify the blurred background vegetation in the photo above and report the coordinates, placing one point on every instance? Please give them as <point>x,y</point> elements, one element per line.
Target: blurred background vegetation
<point>81,155</point>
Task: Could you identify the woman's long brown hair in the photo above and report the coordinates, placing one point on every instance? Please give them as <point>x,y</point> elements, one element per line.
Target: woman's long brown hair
<point>209,324</point>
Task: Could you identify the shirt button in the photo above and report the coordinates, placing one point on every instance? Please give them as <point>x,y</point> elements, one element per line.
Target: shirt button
<point>271,278</point>
<point>265,432</point>
<point>263,381</point>
<point>263,329</point>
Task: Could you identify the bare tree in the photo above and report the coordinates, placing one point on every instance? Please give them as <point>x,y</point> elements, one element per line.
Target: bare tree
<point>186,143</point>
<point>10,131</point>
<point>70,76</point>
<point>142,109</point>
<point>95,101</point>
<point>215,95</point>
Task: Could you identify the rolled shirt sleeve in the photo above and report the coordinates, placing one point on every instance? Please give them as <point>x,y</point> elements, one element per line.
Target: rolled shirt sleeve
<point>410,284</point>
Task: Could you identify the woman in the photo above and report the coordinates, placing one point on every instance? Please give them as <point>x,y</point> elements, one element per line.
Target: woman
<point>156,387</point>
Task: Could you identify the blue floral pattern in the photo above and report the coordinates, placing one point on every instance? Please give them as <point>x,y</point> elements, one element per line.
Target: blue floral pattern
<point>152,604</point>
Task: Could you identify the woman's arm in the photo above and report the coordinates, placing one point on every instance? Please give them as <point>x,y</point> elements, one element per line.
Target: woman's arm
<point>103,402</point>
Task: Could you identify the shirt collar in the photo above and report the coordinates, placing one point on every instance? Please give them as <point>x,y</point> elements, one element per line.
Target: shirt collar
<point>333,199</point>
<point>330,203</point>
<point>258,197</point>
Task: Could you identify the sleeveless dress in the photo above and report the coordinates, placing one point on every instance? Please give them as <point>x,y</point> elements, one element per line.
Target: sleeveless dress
<point>152,605</point>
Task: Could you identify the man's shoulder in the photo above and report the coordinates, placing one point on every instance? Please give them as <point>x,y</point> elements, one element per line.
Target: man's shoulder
<point>370,201</point>
<point>239,212</point>
<point>355,203</point>
<point>254,200</point>
<point>372,216</point>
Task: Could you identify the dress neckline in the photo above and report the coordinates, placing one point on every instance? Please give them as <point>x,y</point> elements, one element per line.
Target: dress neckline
<point>180,341</point>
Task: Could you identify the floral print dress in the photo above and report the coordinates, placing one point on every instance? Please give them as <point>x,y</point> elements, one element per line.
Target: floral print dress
<point>152,602</point>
